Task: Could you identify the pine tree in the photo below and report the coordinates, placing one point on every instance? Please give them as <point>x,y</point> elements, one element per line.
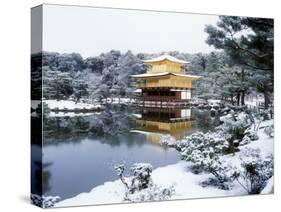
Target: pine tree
<point>249,44</point>
<point>56,84</point>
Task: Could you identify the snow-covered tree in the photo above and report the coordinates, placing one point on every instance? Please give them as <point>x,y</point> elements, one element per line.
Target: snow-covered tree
<point>56,84</point>
<point>255,170</point>
<point>249,43</point>
<point>235,126</point>
<point>141,178</point>
<point>94,64</point>
<point>140,186</point>
<point>80,87</point>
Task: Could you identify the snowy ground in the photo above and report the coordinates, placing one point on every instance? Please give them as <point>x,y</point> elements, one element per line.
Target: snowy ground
<point>70,114</point>
<point>70,105</point>
<point>125,101</point>
<point>187,185</point>
<point>265,143</point>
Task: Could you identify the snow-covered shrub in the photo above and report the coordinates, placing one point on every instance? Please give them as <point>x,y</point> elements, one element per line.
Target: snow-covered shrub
<point>141,176</point>
<point>44,201</point>
<point>140,179</point>
<point>140,186</point>
<point>167,140</point>
<point>202,142</point>
<point>225,117</point>
<point>233,129</point>
<point>269,130</point>
<point>152,193</point>
<point>255,170</point>
<point>214,182</point>
<point>246,140</point>
<point>204,151</point>
<point>252,134</point>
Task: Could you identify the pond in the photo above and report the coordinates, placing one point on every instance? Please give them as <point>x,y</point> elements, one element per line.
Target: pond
<point>79,152</point>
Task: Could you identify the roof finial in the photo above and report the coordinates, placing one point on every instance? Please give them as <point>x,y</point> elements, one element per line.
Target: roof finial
<point>166,53</point>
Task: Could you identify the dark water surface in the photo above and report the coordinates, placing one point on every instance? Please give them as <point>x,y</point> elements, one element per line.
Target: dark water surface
<point>79,152</point>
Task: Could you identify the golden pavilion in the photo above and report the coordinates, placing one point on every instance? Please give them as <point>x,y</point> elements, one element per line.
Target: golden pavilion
<point>165,82</point>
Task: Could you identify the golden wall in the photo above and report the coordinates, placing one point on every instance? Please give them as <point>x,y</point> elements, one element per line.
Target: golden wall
<point>165,66</point>
<point>167,81</point>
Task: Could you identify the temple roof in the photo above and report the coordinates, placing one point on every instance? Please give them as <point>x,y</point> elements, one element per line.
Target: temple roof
<point>164,74</point>
<point>166,57</point>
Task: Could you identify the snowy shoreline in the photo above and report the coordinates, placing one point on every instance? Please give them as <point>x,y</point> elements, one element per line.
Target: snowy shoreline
<point>187,185</point>
<point>70,108</point>
<point>113,192</point>
<point>70,105</point>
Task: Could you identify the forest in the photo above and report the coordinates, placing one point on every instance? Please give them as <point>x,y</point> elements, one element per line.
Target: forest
<point>242,65</point>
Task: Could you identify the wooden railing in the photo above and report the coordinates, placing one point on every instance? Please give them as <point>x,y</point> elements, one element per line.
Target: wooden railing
<point>159,98</point>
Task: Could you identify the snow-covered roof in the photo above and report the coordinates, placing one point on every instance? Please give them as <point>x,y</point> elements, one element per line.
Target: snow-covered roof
<point>164,74</point>
<point>166,57</point>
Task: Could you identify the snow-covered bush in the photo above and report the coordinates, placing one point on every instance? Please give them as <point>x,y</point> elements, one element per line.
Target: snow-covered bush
<point>200,141</point>
<point>167,140</point>
<point>152,193</point>
<point>225,117</point>
<point>233,129</point>
<point>140,186</point>
<point>44,201</point>
<point>255,170</point>
<point>141,178</point>
<point>204,151</point>
<point>250,135</point>
<point>214,182</point>
<point>246,140</point>
<point>269,130</point>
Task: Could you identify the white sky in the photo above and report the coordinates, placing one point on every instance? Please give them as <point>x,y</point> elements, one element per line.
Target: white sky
<point>92,31</point>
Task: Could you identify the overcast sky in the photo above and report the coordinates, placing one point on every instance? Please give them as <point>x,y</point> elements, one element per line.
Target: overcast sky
<point>92,31</point>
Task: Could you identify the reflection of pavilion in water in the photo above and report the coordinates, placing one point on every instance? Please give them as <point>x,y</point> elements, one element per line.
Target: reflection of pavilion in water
<point>155,122</point>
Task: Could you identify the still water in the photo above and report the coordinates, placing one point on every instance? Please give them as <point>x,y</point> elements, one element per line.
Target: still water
<point>79,152</point>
